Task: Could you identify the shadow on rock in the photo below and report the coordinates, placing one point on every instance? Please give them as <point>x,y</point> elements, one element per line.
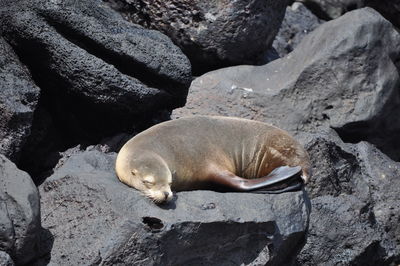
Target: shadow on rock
<point>46,241</point>
<point>97,74</point>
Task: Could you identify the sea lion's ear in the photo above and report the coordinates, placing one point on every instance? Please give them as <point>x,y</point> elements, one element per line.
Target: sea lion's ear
<point>134,171</point>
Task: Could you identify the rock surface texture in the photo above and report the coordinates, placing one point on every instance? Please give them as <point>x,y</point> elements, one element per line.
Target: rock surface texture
<point>211,33</point>
<point>390,9</point>
<point>19,215</point>
<point>331,9</point>
<point>84,202</point>
<point>355,205</point>
<point>76,73</point>
<point>297,23</point>
<point>5,259</point>
<point>98,75</point>
<point>349,82</point>
<point>18,100</point>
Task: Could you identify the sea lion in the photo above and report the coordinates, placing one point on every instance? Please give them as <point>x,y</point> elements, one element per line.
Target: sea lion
<point>210,152</point>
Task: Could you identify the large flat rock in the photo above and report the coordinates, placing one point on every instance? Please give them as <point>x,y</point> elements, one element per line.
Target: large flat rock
<point>84,205</point>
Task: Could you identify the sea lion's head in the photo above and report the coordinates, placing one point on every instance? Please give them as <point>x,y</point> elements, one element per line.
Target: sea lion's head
<point>151,176</point>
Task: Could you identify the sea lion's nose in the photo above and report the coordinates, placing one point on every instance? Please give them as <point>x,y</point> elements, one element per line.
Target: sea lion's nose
<point>166,194</point>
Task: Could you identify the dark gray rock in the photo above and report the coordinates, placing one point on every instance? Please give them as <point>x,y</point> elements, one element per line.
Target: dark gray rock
<point>331,9</point>
<point>92,49</point>
<point>297,23</point>
<point>98,74</point>
<point>18,100</point>
<point>19,213</point>
<point>390,9</point>
<point>5,259</point>
<point>212,34</point>
<point>342,75</point>
<point>355,205</point>
<point>84,205</point>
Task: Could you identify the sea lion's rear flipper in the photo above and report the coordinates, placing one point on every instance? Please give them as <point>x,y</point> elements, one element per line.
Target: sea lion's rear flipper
<point>278,181</point>
<point>268,190</point>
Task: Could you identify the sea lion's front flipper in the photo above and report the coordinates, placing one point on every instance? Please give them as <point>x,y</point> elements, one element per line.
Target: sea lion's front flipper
<point>229,181</point>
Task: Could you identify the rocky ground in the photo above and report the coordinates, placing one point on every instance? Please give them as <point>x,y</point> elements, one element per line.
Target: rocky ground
<point>78,79</point>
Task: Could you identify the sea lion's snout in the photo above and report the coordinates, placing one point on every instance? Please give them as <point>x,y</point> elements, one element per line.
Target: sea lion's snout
<point>168,196</point>
<point>161,196</point>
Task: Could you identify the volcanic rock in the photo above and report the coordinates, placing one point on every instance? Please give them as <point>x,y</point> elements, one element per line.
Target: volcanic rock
<point>5,259</point>
<point>212,34</point>
<point>348,81</point>
<point>390,9</point>
<point>85,205</point>
<point>19,214</point>
<point>18,100</point>
<point>331,9</point>
<point>355,205</point>
<point>297,23</point>
<point>98,75</point>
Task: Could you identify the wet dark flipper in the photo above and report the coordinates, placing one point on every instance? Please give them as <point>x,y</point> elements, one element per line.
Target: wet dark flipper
<point>289,188</point>
<point>276,181</point>
<point>278,176</point>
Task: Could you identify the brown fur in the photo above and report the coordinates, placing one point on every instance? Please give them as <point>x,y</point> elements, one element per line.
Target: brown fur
<point>192,149</point>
